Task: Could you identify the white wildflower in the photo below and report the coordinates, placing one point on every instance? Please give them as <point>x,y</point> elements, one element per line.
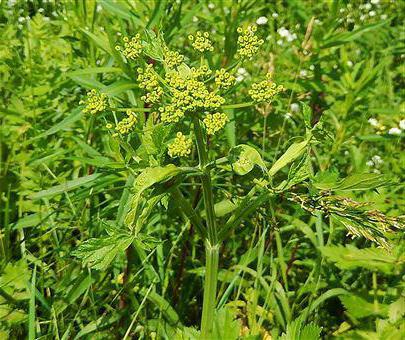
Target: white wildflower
<point>275,15</point>
<point>262,21</point>
<point>402,124</point>
<point>394,131</point>
<point>373,122</point>
<point>241,74</point>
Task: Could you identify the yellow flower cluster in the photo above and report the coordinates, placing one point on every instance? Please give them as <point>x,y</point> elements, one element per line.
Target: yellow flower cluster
<point>95,102</point>
<point>224,79</point>
<point>201,41</point>
<point>148,80</point>
<point>215,122</point>
<point>132,48</point>
<point>188,95</point>
<point>125,125</point>
<point>201,72</point>
<point>172,58</point>
<point>181,146</point>
<point>265,90</point>
<point>171,114</point>
<point>248,42</point>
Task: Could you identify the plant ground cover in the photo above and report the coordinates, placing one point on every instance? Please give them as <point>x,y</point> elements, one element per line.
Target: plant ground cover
<point>202,169</point>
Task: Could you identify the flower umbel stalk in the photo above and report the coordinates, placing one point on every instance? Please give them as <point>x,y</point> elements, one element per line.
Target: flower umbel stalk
<point>211,242</point>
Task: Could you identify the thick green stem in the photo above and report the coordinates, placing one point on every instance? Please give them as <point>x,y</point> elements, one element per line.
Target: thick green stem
<point>210,289</point>
<point>211,242</point>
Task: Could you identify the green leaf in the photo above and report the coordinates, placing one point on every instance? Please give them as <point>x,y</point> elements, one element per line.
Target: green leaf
<point>350,257</point>
<point>356,182</point>
<point>94,70</point>
<point>296,330</point>
<point>151,176</point>
<point>243,159</point>
<point>69,185</point>
<point>298,173</point>
<point>345,37</point>
<point>362,182</point>
<point>146,179</point>
<point>119,87</point>
<point>396,310</point>
<point>360,308</point>
<point>98,253</point>
<point>153,46</point>
<point>121,10</point>
<point>164,306</point>
<point>64,124</point>
<point>225,325</point>
<point>311,332</point>
<point>15,275</point>
<point>292,153</point>
<point>153,139</point>
<point>87,82</point>
<point>325,180</point>
<point>100,41</point>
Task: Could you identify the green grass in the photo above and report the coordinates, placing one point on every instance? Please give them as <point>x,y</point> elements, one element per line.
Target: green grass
<point>287,223</point>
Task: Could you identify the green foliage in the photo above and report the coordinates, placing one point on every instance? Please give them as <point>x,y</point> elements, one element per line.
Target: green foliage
<point>297,202</point>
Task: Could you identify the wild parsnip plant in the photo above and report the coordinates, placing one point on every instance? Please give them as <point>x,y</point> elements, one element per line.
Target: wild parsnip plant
<point>201,170</point>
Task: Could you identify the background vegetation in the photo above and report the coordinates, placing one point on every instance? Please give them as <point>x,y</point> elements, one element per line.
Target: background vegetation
<point>286,270</point>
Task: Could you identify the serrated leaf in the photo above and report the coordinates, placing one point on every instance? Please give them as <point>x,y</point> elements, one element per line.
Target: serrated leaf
<point>350,257</point>
<point>311,332</point>
<point>360,308</point>
<point>98,253</point>
<point>243,159</point>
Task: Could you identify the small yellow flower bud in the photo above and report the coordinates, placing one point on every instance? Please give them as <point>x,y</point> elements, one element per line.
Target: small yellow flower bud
<point>95,102</point>
<point>215,122</point>
<point>265,90</point>
<point>132,48</point>
<point>201,41</point>
<point>181,146</point>
<point>149,81</point>
<point>126,124</point>
<point>172,58</point>
<point>248,42</point>
<point>224,79</point>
